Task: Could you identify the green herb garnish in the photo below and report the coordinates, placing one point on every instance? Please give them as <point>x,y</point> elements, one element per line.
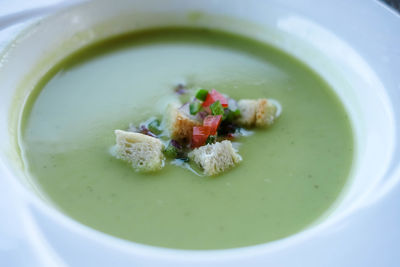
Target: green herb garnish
<point>232,115</point>
<point>202,94</point>
<point>211,139</point>
<point>217,108</point>
<point>154,127</point>
<point>194,107</point>
<point>171,152</point>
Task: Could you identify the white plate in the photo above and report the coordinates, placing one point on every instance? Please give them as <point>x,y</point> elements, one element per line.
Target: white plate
<point>354,45</point>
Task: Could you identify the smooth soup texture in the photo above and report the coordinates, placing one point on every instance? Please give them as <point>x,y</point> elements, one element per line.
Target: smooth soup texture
<point>290,175</point>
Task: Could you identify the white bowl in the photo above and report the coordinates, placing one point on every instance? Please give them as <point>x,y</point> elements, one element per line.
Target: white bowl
<point>352,45</point>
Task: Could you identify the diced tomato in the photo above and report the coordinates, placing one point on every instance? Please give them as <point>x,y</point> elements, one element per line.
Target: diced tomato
<point>213,122</point>
<point>200,135</point>
<point>214,96</point>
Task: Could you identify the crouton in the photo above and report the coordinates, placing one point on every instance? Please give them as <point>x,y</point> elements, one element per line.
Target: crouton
<point>143,152</point>
<point>266,112</point>
<point>179,125</point>
<point>247,109</point>
<point>257,112</point>
<point>215,158</point>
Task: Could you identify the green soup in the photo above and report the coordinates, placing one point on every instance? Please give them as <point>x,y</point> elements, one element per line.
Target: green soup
<point>291,173</point>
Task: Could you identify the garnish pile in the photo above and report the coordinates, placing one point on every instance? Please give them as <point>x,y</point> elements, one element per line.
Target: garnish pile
<point>198,131</point>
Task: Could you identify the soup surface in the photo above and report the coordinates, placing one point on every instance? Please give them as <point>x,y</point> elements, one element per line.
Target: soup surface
<point>290,175</point>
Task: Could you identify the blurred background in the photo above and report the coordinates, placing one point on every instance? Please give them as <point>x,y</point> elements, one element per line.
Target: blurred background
<point>394,4</point>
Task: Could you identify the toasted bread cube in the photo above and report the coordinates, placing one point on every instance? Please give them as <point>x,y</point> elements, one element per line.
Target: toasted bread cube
<point>248,109</point>
<point>143,152</point>
<point>265,113</point>
<point>256,112</point>
<point>215,158</point>
<point>179,125</point>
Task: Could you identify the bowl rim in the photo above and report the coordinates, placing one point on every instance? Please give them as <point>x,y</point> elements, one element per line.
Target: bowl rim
<point>176,254</point>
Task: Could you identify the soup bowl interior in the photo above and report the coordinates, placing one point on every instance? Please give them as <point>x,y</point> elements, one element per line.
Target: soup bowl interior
<point>44,41</point>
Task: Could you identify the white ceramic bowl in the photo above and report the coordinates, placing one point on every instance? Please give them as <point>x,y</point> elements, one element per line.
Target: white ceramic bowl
<point>352,45</point>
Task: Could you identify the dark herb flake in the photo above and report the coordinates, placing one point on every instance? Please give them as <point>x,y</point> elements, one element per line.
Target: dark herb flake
<point>146,131</point>
<point>180,89</point>
<point>231,115</point>
<point>211,139</point>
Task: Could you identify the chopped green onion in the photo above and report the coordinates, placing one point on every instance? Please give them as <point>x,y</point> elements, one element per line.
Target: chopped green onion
<point>194,107</point>
<point>211,139</point>
<point>154,127</point>
<point>216,108</point>
<point>171,151</point>
<point>202,94</point>
<point>236,113</point>
<point>225,116</point>
<point>232,115</point>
